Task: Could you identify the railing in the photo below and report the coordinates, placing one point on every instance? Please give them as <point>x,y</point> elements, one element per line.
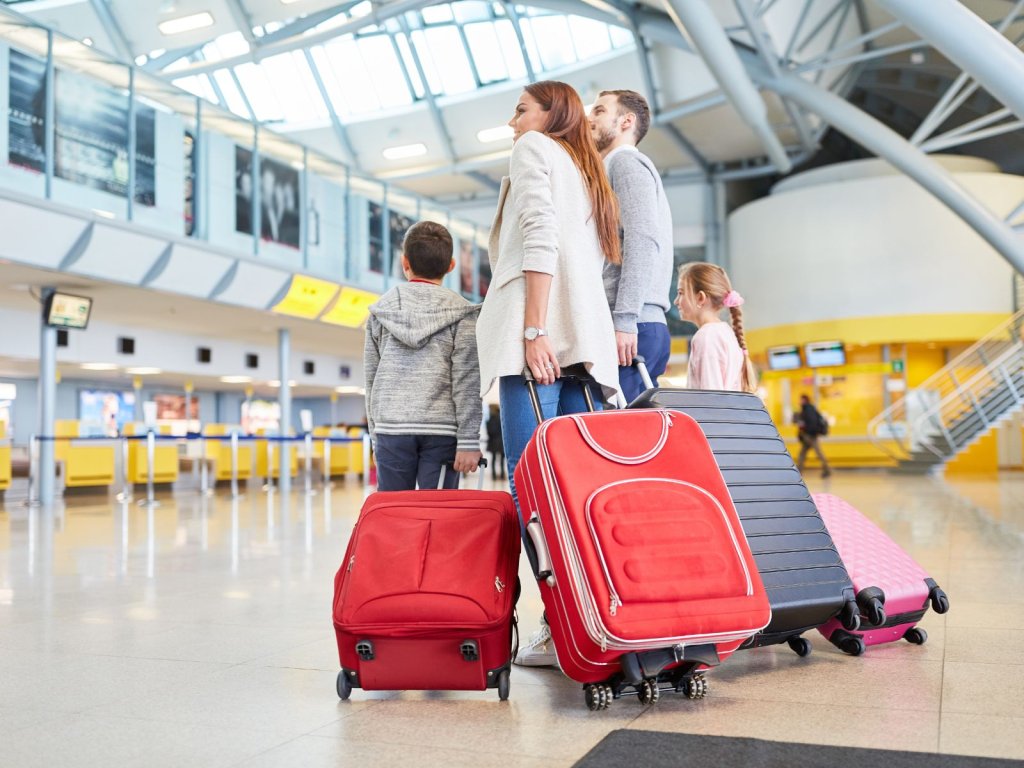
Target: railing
<point>933,418</point>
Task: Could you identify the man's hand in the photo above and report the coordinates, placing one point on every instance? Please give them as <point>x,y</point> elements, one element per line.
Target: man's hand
<point>626,344</point>
<point>467,461</point>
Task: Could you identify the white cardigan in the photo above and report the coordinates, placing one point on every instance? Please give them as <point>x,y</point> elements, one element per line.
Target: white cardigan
<point>545,225</point>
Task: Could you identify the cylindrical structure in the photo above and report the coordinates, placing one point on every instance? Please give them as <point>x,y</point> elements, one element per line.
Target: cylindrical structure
<point>47,403</point>
<point>285,399</point>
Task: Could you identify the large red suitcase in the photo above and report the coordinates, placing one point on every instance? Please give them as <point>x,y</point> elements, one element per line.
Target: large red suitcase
<point>890,582</point>
<point>643,567</point>
<point>425,597</point>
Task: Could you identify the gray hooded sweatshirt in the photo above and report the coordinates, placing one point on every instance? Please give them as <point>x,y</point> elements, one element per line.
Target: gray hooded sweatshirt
<point>422,372</point>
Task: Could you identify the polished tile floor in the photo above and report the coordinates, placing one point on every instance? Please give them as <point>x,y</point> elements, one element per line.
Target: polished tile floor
<point>198,633</point>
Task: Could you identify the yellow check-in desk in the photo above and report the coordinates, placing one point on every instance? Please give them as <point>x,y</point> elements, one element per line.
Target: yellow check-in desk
<point>5,458</point>
<point>86,463</point>
<point>356,451</point>
<point>219,452</point>
<point>165,455</point>
<point>260,447</point>
<point>341,454</point>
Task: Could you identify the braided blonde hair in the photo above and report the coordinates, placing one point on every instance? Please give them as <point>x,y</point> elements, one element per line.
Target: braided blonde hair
<point>697,276</point>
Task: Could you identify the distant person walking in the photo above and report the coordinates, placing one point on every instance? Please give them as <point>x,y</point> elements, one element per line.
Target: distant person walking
<point>811,426</point>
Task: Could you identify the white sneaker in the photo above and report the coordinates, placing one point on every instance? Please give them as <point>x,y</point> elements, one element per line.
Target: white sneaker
<point>539,651</point>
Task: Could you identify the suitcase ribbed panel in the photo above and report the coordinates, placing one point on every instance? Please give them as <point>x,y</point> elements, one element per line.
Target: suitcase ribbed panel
<point>804,576</point>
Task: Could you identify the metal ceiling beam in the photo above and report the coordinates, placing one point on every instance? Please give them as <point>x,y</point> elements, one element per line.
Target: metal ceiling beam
<point>297,40</point>
<point>483,178</point>
<point>696,19</point>
<point>513,16</point>
<point>121,45</point>
<point>242,19</point>
<point>157,63</point>
<point>428,94</point>
<point>340,132</point>
<point>969,41</point>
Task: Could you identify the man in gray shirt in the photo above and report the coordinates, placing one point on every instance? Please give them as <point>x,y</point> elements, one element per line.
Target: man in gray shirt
<point>638,289</point>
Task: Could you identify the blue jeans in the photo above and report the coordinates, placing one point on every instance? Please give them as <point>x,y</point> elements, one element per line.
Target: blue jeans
<point>405,460</point>
<point>654,344</point>
<point>518,423</point>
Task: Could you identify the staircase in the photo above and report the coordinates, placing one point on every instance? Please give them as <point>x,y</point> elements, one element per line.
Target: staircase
<point>958,405</point>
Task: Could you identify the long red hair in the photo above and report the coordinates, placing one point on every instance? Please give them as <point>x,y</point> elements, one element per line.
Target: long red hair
<point>568,125</point>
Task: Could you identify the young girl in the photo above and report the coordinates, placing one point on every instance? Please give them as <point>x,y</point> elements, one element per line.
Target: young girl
<point>718,351</point>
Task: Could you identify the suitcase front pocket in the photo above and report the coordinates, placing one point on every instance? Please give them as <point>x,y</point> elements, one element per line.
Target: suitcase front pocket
<point>665,541</point>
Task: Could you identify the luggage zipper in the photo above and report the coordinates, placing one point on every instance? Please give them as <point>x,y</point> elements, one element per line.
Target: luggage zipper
<point>351,562</point>
<point>615,601</point>
<point>499,584</point>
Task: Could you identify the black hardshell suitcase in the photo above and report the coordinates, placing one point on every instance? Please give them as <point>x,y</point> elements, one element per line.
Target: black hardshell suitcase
<point>805,578</point>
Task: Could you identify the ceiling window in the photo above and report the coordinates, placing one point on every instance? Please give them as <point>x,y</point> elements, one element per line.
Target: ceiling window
<point>233,98</point>
<point>444,61</point>
<point>198,85</point>
<point>487,52</point>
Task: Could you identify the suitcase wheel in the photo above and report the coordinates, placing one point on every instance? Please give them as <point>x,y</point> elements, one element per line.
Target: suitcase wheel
<point>503,685</point>
<point>852,645</point>
<point>800,645</point>
<point>915,635</point>
<point>598,696</point>
<point>344,687</point>
<point>940,603</point>
<point>697,687</point>
<point>648,691</point>
<point>876,612</point>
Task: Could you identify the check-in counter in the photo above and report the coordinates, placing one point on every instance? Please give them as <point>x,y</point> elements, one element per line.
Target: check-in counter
<point>275,461</point>
<point>341,458</point>
<point>219,452</point>
<point>165,455</point>
<point>5,458</point>
<point>85,463</point>
<point>356,451</point>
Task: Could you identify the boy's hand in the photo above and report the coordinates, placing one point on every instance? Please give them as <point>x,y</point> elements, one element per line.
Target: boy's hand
<point>467,461</point>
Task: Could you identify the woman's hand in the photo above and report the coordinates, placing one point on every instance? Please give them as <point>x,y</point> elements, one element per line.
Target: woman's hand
<point>541,361</point>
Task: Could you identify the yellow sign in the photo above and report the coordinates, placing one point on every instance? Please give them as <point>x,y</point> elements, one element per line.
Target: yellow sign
<point>188,387</point>
<point>249,391</point>
<point>137,382</point>
<point>350,309</point>
<point>307,297</point>
<point>56,375</point>
<point>334,397</point>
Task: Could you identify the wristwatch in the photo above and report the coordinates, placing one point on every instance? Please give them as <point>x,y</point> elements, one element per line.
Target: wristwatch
<point>530,333</point>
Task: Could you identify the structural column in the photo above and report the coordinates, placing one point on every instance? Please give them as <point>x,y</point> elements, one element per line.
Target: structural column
<point>47,402</point>
<point>285,400</point>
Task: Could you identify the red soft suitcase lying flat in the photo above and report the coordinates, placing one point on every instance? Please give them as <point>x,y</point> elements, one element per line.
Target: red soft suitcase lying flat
<point>880,569</point>
<point>644,570</point>
<point>424,599</point>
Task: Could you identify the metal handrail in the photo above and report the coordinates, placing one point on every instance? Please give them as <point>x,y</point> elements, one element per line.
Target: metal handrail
<point>953,390</point>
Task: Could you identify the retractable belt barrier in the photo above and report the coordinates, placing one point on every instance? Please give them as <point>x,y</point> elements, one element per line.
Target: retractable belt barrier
<point>234,438</point>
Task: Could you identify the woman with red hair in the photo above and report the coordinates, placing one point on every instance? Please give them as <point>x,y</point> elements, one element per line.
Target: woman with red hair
<point>556,224</point>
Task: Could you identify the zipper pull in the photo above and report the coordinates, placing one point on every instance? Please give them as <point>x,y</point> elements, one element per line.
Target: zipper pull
<point>499,584</point>
<point>615,603</point>
<point>604,642</point>
<point>351,562</point>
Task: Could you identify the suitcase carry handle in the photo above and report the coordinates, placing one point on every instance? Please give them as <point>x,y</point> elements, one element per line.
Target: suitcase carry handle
<point>444,471</point>
<point>540,547</point>
<point>577,372</point>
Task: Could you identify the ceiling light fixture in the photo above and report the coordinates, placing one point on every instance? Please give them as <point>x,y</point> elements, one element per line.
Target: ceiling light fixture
<point>87,41</point>
<point>289,2</point>
<point>236,379</point>
<point>98,367</point>
<point>186,23</point>
<point>488,135</point>
<point>104,214</point>
<point>142,370</point>
<point>275,384</point>
<point>405,151</point>
<point>350,390</point>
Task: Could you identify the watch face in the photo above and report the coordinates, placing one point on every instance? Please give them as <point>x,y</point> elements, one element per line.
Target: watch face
<point>530,334</point>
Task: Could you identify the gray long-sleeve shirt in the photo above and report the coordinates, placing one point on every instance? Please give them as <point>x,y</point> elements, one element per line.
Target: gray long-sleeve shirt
<point>638,290</point>
<point>422,374</point>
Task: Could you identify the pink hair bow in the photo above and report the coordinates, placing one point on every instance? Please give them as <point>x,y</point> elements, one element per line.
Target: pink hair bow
<point>733,299</point>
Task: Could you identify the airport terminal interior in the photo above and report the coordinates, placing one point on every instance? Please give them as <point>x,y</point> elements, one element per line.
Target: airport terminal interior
<point>201,199</point>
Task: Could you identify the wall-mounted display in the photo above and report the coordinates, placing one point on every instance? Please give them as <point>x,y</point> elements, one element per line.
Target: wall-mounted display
<point>62,310</point>
<point>112,409</point>
<point>279,198</point>
<point>260,414</point>
<point>822,354</point>
<point>784,358</point>
<point>26,112</point>
<point>170,411</point>
<point>399,225</point>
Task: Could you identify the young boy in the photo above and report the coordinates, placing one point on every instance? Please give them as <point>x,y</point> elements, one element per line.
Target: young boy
<point>423,402</point>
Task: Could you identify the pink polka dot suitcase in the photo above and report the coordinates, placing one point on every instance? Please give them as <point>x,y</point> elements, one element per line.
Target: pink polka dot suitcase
<point>893,590</point>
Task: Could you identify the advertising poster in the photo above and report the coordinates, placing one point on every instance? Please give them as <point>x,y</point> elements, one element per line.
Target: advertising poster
<point>189,150</point>
<point>92,138</point>
<point>466,280</point>
<point>26,111</point>
<point>400,224</point>
<point>111,409</point>
<point>376,245</point>
<point>279,198</point>
<point>260,414</point>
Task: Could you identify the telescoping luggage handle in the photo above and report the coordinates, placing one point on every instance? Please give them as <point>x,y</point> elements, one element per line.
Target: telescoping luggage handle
<point>641,365</point>
<point>577,372</point>
<point>480,467</point>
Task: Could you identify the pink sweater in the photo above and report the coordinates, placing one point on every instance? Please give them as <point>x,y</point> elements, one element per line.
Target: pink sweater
<point>716,360</point>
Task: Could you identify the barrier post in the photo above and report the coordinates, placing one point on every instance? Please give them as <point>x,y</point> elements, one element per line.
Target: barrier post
<point>33,470</point>
<point>150,458</point>
<point>126,489</point>
<point>234,464</point>
<point>366,460</point>
<point>270,465</point>
<point>204,472</point>
<point>327,462</point>
<point>309,463</point>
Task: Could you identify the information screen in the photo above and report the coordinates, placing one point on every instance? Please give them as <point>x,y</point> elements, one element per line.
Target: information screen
<point>66,311</point>
<point>785,358</point>
<point>822,354</point>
